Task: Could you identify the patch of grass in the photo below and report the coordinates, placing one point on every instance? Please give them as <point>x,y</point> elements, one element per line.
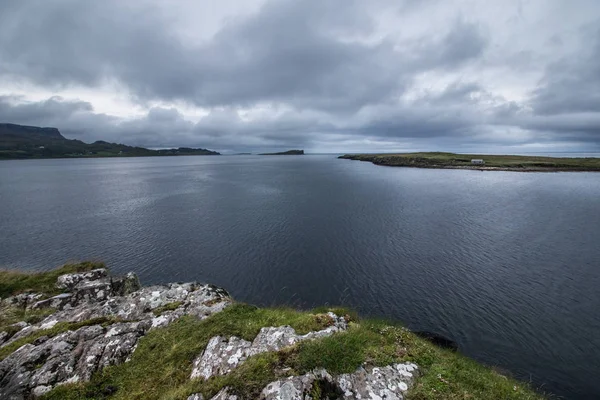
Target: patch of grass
<point>161,365</point>
<point>12,315</point>
<point>167,307</point>
<point>55,330</point>
<point>16,282</point>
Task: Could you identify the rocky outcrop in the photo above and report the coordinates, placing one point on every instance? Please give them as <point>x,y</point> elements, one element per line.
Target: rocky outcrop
<point>74,355</point>
<point>390,383</point>
<point>222,355</point>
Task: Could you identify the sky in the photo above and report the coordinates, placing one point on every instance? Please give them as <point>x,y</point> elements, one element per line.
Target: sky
<point>321,75</point>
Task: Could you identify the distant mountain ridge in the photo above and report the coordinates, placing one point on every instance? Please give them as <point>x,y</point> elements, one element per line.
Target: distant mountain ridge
<point>23,142</point>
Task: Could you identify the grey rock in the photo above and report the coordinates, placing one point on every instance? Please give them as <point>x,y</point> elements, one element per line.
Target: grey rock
<point>23,300</point>
<point>294,387</point>
<point>91,291</point>
<point>390,382</point>
<point>71,356</point>
<point>224,395</point>
<point>75,356</point>
<point>195,396</point>
<point>59,302</point>
<point>69,281</point>
<point>124,285</point>
<point>223,355</point>
<point>220,357</point>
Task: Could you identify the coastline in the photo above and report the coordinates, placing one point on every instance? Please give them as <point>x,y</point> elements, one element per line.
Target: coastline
<point>82,331</point>
<point>492,162</point>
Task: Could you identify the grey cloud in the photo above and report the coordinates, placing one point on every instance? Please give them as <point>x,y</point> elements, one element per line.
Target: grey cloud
<point>327,70</point>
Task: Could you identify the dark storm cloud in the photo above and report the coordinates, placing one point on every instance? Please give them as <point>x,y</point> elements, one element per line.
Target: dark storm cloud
<point>325,73</point>
<point>293,52</point>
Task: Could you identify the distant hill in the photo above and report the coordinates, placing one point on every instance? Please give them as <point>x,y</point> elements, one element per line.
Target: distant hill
<point>22,142</point>
<point>285,153</point>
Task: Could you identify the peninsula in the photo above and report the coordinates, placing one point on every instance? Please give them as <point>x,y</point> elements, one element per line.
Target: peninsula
<point>481,162</point>
<point>25,142</point>
<point>285,153</point>
<point>80,332</point>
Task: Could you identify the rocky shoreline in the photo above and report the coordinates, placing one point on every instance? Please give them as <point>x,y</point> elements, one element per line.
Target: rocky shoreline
<point>122,312</point>
<point>102,336</point>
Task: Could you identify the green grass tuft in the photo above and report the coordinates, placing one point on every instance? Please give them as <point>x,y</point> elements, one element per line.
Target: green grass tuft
<point>15,282</point>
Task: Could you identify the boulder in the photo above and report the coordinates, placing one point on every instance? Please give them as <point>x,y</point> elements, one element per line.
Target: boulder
<point>69,281</point>
<point>224,354</point>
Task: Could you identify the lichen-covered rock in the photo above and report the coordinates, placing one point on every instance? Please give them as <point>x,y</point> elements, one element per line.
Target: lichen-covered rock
<point>222,355</point>
<point>23,300</point>
<point>224,395</point>
<point>74,356</point>
<point>69,281</point>
<point>389,383</point>
<point>59,302</point>
<point>294,387</point>
<point>71,356</point>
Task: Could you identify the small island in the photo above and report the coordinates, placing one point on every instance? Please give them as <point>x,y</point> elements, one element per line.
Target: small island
<point>480,162</point>
<point>285,153</point>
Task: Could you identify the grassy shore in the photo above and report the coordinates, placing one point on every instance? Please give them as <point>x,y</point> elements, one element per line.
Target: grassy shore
<point>161,365</point>
<point>492,162</point>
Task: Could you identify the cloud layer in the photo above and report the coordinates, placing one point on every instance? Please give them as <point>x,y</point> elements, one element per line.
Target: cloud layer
<point>325,76</point>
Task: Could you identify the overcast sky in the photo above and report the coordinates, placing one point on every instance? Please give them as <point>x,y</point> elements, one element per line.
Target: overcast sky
<point>322,75</point>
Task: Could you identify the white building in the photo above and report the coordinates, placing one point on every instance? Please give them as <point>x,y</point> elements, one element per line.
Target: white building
<point>477,161</point>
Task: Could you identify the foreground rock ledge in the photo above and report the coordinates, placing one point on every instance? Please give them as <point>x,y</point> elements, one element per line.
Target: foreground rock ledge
<point>377,383</point>
<point>72,356</point>
<point>115,312</point>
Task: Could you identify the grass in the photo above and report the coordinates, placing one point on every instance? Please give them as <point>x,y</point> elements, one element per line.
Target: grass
<point>162,363</point>
<point>452,160</point>
<point>15,282</point>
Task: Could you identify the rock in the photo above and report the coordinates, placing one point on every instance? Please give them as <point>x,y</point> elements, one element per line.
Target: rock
<point>59,302</point>
<point>71,356</point>
<point>223,355</point>
<point>389,383</point>
<point>40,390</point>
<point>69,281</point>
<point>124,285</point>
<point>23,300</point>
<point>91,291</point>
<point>220,357</point>
<point>294,387</point>
<point>195,396</point>
<point>224,395</point>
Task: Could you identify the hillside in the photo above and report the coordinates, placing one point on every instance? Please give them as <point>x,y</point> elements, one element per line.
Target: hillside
<point>106,337</point>
<point>23,142</point>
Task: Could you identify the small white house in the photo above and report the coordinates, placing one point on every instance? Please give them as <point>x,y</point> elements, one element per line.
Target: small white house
<point>477,161</point>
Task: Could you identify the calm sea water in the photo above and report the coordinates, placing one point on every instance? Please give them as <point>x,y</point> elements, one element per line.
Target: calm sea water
<point>506,264</point>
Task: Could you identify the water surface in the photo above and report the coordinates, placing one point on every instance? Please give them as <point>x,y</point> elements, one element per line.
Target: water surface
<point>507,264</point>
